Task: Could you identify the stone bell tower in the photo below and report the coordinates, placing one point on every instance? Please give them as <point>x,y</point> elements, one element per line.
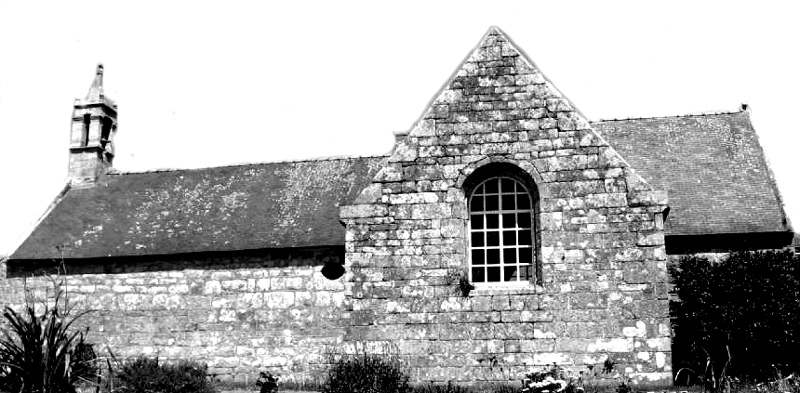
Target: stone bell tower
<point>94,123</point>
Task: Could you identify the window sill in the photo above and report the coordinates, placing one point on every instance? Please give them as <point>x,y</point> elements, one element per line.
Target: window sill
<point>524,288</point>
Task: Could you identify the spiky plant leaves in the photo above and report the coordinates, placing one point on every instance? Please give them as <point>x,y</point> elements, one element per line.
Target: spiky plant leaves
<point>36,350</point>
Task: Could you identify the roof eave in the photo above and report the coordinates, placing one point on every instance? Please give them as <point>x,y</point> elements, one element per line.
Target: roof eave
<point>29,230</point>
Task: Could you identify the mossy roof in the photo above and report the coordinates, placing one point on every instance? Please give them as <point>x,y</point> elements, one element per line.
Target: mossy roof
<point>271,205</point>
<point>712,165</point>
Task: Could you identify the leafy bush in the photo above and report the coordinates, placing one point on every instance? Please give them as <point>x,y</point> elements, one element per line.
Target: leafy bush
<point>40,352</point>
<point>147,375</point>
<point>464,285</point>
<point>449,388</point>
<point>85,360</point>
<point>460,280</point>
<point>739,317</point>
<point>266,382</point>
<point>505,388</point>
<point>624,387</point>
<point>365,373</point>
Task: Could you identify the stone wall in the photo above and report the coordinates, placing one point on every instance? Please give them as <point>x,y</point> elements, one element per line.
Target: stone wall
<point>239,314</point>
<point>602,288</point>
<point>600,291</point>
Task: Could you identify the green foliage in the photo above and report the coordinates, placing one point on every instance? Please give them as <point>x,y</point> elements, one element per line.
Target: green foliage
<point>449,388</point>
<point>85,360</point>
<point>365,373</point>
<point>266,382</point>
<point>597,376</point>
<point>625,386</point>
<point>465,286</point>
<point>41,353</point>
<point>460,280</point>
<point>147,375</point>
<point>740,317</point>
<point>505,388</point>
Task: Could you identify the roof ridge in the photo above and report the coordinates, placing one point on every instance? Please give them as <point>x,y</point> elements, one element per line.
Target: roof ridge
<point>693,114</point>
<point>116,172</point>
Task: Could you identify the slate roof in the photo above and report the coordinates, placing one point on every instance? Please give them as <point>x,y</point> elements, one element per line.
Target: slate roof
<point>712,166</point>
<point>272,205</point>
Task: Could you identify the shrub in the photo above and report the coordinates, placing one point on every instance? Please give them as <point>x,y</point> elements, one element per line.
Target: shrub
<point>464,285</point>
<point>85,360</point>
<point>739,317</point>
<point>365,373</point>
<point>449,388</point>
<point>147,375</point>
<point>624,387</point>
<point>40,352</point>
<point>266,382</point>
<point>505,388</point>
<point>460,280</point>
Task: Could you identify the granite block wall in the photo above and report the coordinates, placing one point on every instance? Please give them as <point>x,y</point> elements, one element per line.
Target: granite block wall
<point>239,314</point>
<point>600,291</point>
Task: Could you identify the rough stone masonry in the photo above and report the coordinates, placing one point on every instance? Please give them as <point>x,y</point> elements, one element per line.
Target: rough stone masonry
<point>238,314</point>
<point>595,283</point>
<point>602,289</point>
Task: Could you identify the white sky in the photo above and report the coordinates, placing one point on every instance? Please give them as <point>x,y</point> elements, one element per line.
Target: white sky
<point>214,83</point>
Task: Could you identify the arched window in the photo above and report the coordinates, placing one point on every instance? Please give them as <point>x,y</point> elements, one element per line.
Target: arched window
<point>502,228</point>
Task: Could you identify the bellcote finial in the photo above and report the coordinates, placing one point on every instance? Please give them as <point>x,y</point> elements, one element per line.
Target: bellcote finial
<point>94,123</point>
<point>96,91</point>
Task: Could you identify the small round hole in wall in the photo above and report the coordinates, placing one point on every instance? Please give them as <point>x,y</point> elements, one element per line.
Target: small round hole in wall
<point>332,270</point>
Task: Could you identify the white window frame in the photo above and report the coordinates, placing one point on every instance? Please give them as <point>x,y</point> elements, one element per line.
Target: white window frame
<point>501,230</point>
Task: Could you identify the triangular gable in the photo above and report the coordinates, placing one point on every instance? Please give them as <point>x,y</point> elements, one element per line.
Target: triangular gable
<point>499,90</point>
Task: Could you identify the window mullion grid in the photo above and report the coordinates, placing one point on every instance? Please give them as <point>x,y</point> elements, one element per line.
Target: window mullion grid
<point>503,211</point>
<point>486,228</point>
<point>500,230</point>
<point>485,248</point>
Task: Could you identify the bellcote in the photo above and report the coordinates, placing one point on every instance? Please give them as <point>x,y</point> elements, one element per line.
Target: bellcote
<point>94,123</point>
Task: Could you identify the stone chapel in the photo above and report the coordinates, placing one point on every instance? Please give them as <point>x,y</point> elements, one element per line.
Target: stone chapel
<point>504,232</point>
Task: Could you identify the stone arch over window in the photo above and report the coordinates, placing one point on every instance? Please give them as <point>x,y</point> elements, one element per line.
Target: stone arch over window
<point>503,240</point>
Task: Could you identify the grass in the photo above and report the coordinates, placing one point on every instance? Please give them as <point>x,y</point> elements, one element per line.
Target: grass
<point>516,388</point>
